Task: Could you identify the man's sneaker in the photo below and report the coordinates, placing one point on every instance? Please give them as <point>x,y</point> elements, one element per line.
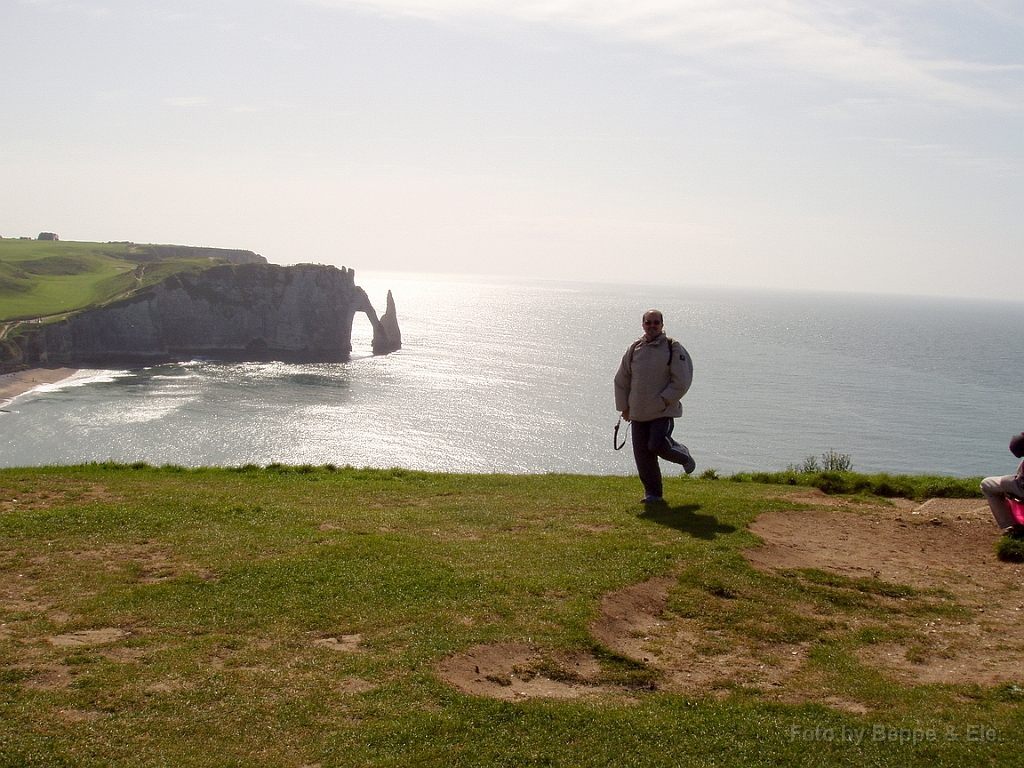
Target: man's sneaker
<point>652,500</point>
<point>688,463</point>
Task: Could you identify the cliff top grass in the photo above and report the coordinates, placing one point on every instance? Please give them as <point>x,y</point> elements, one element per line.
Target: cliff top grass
<point>43,279</point>
<point>300,616</point>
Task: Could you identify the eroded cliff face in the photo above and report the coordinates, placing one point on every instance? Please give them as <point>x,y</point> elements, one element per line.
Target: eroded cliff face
<point>239,311</point>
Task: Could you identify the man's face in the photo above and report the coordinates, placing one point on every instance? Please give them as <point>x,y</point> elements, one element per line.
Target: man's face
<point>652,326</point>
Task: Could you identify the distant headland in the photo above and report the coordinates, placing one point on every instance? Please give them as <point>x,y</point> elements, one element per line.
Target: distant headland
<point>97,304</point>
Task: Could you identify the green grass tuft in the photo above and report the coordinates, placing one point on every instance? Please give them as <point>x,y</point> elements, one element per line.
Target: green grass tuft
<point>1010,547</point>
<point>916,487</point>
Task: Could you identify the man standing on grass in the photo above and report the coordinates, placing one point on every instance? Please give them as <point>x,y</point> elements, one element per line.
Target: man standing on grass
<point>655,373</point>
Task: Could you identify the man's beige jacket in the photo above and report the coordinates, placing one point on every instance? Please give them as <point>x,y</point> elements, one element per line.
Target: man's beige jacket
<point>650,382</point>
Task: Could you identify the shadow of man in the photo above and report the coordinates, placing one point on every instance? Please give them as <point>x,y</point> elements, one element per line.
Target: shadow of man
<point>685,518</point>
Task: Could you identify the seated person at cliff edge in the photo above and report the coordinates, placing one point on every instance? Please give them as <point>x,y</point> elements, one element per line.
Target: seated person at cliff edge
<point>996,489</point>
<point>654,374</point>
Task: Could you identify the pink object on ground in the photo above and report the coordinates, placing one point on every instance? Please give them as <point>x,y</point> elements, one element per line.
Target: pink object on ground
<point>1016,509</point>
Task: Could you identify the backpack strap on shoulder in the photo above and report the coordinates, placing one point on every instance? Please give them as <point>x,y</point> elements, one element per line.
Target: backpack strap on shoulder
<point>635,344</point>
<point>632,350</point>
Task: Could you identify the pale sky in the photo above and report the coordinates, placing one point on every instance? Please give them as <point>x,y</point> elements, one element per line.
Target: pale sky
<point>866,145</point>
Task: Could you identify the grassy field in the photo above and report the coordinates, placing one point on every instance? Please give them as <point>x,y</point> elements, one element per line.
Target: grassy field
<point>297,616</point>
<point>40,278</point>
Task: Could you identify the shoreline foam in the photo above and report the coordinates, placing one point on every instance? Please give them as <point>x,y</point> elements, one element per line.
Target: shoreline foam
<point>20,382</point>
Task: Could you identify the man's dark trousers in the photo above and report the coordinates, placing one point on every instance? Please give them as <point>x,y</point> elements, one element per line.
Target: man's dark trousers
<point>652,439</point>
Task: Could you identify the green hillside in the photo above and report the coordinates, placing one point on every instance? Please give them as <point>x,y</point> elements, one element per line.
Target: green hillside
<point>40,278</point>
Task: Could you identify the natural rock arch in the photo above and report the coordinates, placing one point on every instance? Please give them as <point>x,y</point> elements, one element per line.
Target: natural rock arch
<point>386,335</point>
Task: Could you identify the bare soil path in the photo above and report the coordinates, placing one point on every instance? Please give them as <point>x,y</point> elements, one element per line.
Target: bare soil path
<point>942,547</point>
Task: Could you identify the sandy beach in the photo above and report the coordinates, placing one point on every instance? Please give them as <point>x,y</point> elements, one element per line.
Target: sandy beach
<point>19,382</point>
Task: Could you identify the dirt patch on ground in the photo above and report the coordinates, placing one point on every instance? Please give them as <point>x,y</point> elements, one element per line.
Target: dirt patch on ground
<point>356,685</point>
<point>145,563</point>
<point>21,497</point>
<point>633,622</point>
<point>629,616</point>
<point>344,643</point>
<point>46,677</point>
<point>944,546</point>
<point>88,637</point>
<point>515,672</point>
<point>941,542</point>
<point>938,553</point>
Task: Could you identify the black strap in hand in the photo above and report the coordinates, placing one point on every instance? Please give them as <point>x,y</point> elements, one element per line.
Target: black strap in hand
<point>615,438</point>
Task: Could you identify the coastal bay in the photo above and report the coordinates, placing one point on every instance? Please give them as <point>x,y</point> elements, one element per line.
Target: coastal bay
<point>901,385</point>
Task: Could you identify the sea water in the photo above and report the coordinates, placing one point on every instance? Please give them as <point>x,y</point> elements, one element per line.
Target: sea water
<point>516,377</point>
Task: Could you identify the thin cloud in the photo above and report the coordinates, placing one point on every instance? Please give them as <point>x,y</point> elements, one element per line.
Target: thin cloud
<point>976,67</point>
<point>262,106</point>
<point>947,155</point>
<point>186,101</point>
<point>860,46</point>
<point>238,106</point>
<point>83,9</point>
<point>284,42</point>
